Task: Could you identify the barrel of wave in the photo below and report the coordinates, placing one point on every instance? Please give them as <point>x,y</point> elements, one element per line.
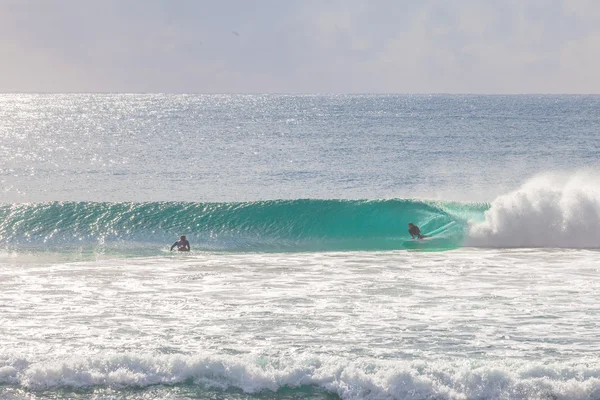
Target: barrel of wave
<point>445,224</point>
<point>332,225</point>
<point>316,225</point>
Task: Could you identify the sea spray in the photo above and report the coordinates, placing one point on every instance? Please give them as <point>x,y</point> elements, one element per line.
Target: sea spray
<point>549,210</point>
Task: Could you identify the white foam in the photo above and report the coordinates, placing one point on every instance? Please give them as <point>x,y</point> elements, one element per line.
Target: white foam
<point>551,210</point>
<point>361,379</point>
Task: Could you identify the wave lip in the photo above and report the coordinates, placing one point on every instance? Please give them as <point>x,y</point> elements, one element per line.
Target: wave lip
<point>547,211</point>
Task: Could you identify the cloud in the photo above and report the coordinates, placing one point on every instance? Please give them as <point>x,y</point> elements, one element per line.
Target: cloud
<point>474,46</point>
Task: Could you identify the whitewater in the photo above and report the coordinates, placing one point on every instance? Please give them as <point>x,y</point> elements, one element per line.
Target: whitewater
<point>303,281</point>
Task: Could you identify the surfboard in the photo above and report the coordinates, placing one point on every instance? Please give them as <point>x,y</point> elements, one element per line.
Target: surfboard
<point>417,242</point>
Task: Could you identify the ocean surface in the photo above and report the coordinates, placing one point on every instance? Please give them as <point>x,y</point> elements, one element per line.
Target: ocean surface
<point>302,282</point>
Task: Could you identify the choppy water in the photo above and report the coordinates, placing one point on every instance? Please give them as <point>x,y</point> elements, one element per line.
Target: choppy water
<point>303,281</point>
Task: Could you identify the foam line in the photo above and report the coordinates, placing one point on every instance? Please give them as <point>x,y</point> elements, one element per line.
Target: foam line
<point>362,379</point>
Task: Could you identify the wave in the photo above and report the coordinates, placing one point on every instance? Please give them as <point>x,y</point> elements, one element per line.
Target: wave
<point>348,379</point>
<point>547,211</point>
<point>296,225</point>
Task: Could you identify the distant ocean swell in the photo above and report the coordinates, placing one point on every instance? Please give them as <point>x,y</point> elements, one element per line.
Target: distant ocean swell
<point>361,379</point>
<point>547,211</point>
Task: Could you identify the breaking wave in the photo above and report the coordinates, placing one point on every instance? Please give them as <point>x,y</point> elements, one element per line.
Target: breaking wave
<point>547,211</point>
<point>359,379</point>
<point>295,225</point>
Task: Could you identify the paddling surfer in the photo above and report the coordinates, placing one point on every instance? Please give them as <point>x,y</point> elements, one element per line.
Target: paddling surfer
<point>182,244</point>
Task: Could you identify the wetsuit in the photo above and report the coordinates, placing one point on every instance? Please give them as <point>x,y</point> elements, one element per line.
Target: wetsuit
<point>415,231</point>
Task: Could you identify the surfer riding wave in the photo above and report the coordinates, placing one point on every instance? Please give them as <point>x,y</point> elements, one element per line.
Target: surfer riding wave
<point>415,231</point>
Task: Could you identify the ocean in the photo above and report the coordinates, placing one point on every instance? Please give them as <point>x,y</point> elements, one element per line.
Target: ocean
<point>303,281</point>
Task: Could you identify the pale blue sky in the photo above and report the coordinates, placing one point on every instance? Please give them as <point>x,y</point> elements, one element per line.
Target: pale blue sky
<point>306,46</point>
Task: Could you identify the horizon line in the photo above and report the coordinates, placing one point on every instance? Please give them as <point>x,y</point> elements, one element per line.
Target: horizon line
<point>307,93</point>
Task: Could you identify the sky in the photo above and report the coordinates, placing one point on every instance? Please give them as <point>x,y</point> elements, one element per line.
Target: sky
<point>300,46</point>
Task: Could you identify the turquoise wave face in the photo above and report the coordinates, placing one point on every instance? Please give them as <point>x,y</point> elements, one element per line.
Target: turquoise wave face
<point>278,225</point>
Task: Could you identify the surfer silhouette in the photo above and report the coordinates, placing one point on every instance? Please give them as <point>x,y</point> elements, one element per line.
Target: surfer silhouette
<point>414,231</point>
<point>182,244</point>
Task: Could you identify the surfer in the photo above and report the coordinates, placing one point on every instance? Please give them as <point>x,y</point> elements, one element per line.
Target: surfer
<point>182,244</point>
<point>414,231</point>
